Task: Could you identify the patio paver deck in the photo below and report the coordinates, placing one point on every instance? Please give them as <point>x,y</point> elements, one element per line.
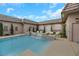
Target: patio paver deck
<point>62,48</point>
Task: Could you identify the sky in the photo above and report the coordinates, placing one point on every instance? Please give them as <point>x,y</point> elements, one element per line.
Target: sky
<point>33,11</point>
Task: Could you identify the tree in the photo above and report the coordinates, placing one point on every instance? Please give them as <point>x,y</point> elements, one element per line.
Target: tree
<point>1,29</point>
<point>44,30</point>
<point>51,29</point>
<point>62,15</point>
<point>37,28</point>
<point>11,30</point>
<point>33,29</point>
<point>29,29</point>
<point>64,30</point>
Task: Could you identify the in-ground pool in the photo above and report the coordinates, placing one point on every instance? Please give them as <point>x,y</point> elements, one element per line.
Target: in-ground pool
<point>18,44</point>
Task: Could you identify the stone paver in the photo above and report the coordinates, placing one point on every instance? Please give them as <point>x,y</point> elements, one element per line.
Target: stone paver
<point>62,48</point>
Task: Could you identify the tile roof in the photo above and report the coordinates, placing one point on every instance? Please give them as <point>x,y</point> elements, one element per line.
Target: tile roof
<point>69,9</point>
<point>14,19</point>
<point>51,21</point>
<point>71,6</point>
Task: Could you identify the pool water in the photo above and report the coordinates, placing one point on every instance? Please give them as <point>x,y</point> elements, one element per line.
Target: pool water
<point>16,45</point>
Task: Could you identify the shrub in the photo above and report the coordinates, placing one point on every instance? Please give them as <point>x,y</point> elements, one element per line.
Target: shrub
<point>44,30</point>
<point>33,29</point>
<point>37,28</point>
<point>29,29</point>
<point>51,29</point>
<point>1,29</point>
<point>54,32</point>
<point>11,30</point>
<point>63,34</point>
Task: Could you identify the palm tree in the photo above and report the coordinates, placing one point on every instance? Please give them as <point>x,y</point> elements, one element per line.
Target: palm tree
<point>1,29</point>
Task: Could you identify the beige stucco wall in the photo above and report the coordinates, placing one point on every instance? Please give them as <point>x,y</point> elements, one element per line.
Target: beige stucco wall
<point>19,28</point>
<point>41,27</point>
<point>34,27</point>
<point>70,20</point>
<point>55,27</point>
<point>31,27</point>
<point>26,27</point>
<point>48,28</point>
<point>8,24</point>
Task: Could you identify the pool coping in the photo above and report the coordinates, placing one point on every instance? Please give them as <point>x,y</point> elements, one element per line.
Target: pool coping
<point>2,37</point>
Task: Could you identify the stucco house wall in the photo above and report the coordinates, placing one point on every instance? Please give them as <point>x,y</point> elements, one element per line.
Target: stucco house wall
<point>31,27</point>
<point>19,28</point>
<point>48,28</point>
<point>35,27</point>
<point>70,20</point>
<point>8,25</point>
<point>55,27</point>
<point>26,28</point>
<point>41,27</point>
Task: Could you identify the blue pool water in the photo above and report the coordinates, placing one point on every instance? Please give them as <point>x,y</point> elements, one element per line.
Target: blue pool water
<point>16,45</point>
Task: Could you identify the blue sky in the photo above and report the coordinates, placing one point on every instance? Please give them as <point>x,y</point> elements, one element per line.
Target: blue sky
<point>33,11</point>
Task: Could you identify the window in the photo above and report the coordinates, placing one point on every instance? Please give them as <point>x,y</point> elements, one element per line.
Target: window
<point>16,28</point>
<point>5,28</point>
<point>77,20</point>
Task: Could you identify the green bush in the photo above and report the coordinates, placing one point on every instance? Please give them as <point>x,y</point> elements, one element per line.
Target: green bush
<point>33,29</point>
<point>29,29</point>
<point>37,28</point>
<point>54,32</point>
<point>63,34</point>
<point>1,29</point>
<point>11,30</point>
<point>51,29</point>
<point>44,30</point>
